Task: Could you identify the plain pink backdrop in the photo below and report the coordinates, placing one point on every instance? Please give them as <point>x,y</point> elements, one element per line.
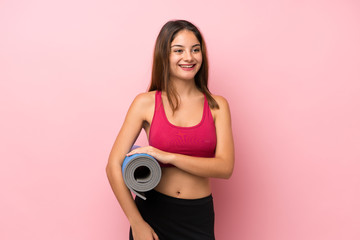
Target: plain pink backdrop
<point>290,70</point>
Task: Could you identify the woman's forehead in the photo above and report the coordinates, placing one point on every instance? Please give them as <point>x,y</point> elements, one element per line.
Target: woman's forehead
<point>185,37</point>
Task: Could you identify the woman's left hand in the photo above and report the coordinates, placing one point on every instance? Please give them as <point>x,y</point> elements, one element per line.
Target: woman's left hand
<point>161,156</point>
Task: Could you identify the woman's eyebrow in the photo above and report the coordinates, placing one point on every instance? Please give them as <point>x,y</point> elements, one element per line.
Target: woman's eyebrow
<point>178,45</point>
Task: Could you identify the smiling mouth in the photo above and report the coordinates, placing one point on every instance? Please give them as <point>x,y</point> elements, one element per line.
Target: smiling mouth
<point>187,65</point>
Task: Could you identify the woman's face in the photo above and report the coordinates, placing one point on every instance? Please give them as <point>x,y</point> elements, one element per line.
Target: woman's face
<point>185,56</point>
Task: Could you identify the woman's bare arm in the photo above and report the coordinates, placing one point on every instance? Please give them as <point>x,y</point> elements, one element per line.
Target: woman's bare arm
<point>127,136</point>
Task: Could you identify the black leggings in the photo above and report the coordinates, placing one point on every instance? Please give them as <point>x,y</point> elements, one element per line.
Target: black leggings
<point>174,218</point>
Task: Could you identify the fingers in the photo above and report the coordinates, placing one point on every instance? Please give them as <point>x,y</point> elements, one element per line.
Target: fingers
<point>155,236</point>
<point>154,152</point>
<point>146,150</point>
<point>133,152</point>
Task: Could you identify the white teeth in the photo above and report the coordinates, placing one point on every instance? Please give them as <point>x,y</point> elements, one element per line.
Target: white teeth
<point>187,66</point>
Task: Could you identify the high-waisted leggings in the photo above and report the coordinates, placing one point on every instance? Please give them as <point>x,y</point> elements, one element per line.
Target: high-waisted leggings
<point>174,218</point>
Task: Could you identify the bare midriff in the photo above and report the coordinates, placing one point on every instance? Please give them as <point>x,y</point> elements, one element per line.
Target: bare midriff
<point>180,184</point>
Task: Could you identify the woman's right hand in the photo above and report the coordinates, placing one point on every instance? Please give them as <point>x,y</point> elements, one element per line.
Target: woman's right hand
<point>143,231</point>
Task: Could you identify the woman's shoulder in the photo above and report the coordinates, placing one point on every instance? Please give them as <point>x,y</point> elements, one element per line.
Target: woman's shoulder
<point>221,101</point>
<point>223,110</point>
<point>222,114</point>
<point>145,97</point>
<point>142,105</point>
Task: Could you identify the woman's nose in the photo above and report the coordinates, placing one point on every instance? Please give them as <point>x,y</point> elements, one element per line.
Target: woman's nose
<point>188,55</point>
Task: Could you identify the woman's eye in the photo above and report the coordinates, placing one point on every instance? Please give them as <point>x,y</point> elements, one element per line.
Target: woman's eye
<point>196,50</point>
<point>178,50</point>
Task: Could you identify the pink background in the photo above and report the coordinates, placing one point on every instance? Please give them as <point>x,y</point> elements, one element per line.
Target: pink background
<point>290,70</point>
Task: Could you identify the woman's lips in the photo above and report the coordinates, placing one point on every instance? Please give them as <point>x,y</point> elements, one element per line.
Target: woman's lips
<point>187,67</point>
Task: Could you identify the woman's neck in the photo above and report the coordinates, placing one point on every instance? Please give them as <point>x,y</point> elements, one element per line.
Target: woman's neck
<point>185,87</point>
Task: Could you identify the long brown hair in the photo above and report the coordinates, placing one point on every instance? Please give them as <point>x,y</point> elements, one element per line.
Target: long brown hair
<point>160,77</point>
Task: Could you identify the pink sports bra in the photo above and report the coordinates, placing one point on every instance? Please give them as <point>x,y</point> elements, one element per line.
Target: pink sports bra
<point>197,141</point>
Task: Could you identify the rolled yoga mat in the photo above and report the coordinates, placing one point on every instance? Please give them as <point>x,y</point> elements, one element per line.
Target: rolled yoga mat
<point>141,173</point>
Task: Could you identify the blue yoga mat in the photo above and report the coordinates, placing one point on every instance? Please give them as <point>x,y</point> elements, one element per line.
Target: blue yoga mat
<point>141,173</point>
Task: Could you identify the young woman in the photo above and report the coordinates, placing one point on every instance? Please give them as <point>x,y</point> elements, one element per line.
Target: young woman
<point>189,133</point>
